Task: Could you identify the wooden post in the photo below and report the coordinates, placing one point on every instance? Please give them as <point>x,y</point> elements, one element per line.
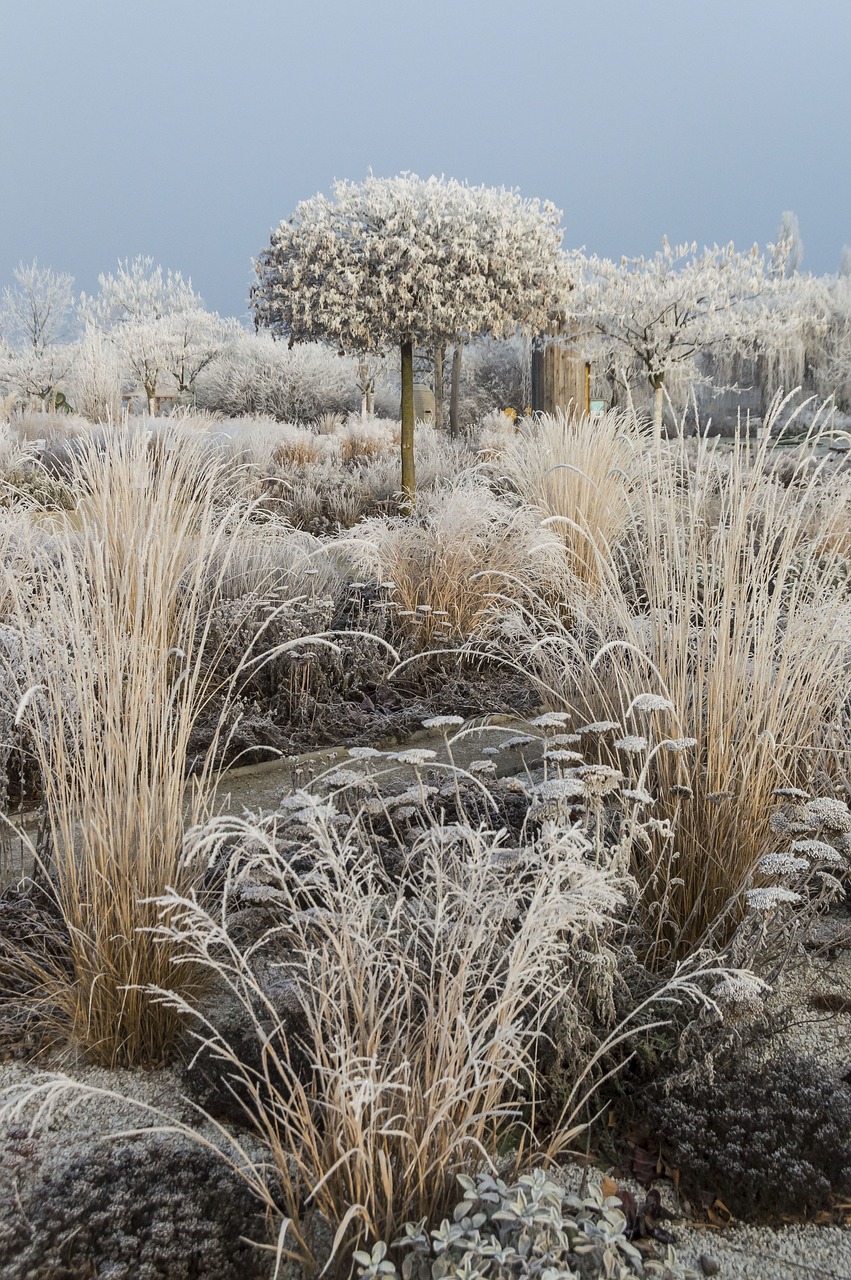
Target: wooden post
<point>455,391</point>
<point>561,378</point>
<point>438,386</point>
<point>408,478</point>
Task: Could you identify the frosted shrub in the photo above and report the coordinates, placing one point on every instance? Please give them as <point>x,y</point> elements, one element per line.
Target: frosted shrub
<point>770,1139</point>
<point>530,1229</point>
<point>258,376</point>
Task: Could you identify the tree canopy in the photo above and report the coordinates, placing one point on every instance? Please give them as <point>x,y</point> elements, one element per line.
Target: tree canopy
<point>404,261</point>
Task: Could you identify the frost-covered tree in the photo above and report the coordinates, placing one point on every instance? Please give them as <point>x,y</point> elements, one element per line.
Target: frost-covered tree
<point>403,262</point>
<point>660,312</point>
<point>37,311</point>
<point>191,341</point>
<point>824,315</point>
<point>36,317</point>
<point>139,290</point>
<point>159,324</point>
<point>787,252</point>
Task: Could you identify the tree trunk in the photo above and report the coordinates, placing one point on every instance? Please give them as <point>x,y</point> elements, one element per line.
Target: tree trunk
<point>455,391</point>
<point>439,352</point>
<point>658,384</point>
<point>408,482</point>
<point>367,390</point>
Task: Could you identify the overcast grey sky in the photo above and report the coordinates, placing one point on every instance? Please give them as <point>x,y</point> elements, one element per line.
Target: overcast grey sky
<point>186,129</point>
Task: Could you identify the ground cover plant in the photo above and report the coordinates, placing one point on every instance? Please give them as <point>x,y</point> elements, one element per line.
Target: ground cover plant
<point>766,1139</point>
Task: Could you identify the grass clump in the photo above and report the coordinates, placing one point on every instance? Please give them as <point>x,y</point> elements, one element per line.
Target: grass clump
<point>106,663</point>
<point>579,473</point>
<point>717,602</point>
<point>399,1016</point>
<point>447,560</point>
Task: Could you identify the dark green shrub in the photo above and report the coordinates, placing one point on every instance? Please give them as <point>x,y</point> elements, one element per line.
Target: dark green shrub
<point>768,1140</point>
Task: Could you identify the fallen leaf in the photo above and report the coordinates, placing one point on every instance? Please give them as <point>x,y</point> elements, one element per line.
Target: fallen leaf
<point>719,1214</point>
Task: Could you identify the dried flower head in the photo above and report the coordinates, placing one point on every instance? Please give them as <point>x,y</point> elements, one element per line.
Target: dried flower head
<point>818,851</point>
<point>599,727</point>
<point>563,757</point>
<point>414,755</point>
<point>632,743</point>
<point>442,722</point>
<point>829,813</point>
<point>782,864</point>
<point>739,995</point>
<point>600,779</point>
<point>550,720</point>
<point>415,796</point>
<point>645,703</point>
<point>347,778</point>
<point>680,744</point>
<point>780,824</point>
<point>570,788</point>
<point>770,898</point>
<point>638,795</point>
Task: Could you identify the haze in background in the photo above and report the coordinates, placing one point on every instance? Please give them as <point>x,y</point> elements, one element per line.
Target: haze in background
<point>186,129</point>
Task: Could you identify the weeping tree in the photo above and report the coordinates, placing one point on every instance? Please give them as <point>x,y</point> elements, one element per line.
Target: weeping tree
<point>408,262</point>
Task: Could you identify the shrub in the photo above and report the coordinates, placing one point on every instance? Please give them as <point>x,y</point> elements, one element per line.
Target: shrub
<point>532,1228</point>
<point>766,1138</point>
<point>258,376</point>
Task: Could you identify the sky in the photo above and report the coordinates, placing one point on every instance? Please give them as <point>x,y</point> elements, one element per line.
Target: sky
<point>187,129</point>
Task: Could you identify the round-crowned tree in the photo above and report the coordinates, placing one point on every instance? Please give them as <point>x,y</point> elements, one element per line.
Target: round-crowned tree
<point>406,261</point>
